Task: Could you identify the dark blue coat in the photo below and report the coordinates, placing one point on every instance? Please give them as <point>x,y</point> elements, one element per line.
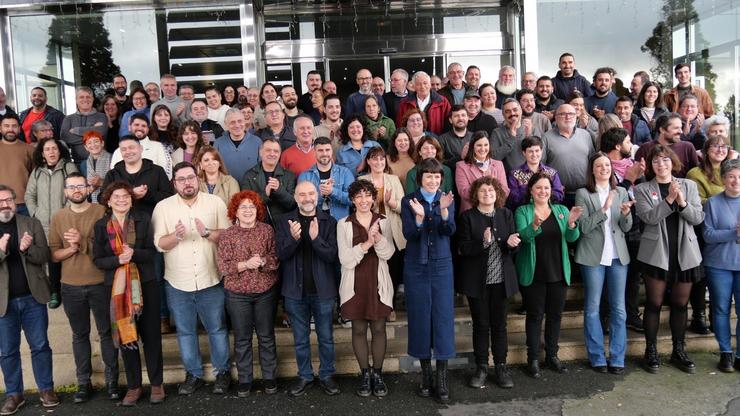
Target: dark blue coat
<point>431,240</point>
<point>291,259</point>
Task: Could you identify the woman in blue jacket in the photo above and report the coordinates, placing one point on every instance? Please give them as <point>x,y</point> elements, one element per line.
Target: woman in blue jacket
<point>428,219</point>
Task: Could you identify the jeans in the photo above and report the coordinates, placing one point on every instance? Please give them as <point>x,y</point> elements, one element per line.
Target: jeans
<point>723,286</point>
<point>250,312</point>
<point>489,320</point>
<point>594,278</point>
<point>300,312</point>
<point>25,314</point>
<point>208,305</point>
<point>544,299</point>
<point>79,301</point>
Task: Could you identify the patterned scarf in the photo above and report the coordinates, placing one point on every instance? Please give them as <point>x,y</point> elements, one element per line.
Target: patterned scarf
<point>126,298</point>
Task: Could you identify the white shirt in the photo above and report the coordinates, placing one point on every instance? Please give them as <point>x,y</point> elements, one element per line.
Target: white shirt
<point>609,252</point>
<point>153,151</point>
<point>191,264</point>
<point>219,115</point>
<point>422,104</point>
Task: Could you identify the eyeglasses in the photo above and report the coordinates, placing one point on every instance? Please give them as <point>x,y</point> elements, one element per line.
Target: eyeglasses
<point>247,208</point>
<point>75,187</point>
<point>364,78</point>
<point>662,160</point>
<point>8,201</point>
<point>719,147</point>
<point>186,179</point>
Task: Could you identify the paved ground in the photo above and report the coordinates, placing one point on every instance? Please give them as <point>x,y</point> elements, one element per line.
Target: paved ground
<point>581,392</point>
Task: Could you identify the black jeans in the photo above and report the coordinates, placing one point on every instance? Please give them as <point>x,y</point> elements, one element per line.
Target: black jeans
<point>544,299</point>
<point>78,302</point>
<point>489,319</point>
<point>151,340</point>
<point>251,312</point>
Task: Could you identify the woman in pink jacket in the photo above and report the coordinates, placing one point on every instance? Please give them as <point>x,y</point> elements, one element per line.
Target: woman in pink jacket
<point>478,162</point>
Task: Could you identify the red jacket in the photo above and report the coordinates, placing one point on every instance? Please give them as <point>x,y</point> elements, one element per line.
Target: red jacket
<point>437,111</point>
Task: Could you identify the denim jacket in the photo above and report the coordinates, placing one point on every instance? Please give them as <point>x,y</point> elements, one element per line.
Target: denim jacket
<point>431,239</point>
<point>339,199</point>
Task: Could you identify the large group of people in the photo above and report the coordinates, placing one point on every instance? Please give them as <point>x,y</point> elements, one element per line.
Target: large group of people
<point>256,207</point>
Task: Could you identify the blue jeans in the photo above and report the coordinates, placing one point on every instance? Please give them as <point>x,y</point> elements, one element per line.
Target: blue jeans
<point>24,313</point>
<point>593,281</point>
<point>208,305</point>
<point>300,312</point>
<point>723,286</point>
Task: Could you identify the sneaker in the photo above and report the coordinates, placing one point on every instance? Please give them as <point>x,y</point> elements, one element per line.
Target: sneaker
<point>300,387</point>
<point>12,403</point>
<point>270,386</point>
<point>83,393</point>
<point>49,398</point>
<point>54,301</point>
<point>343,322</point>
<point>223,381</point>
<point>243,389</point>
<point>190,385</point>
<point>725,362</point>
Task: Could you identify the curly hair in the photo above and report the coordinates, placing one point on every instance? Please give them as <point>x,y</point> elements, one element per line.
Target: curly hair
<point>38,152</point>
<point>361,185</point>
<point>112,187</point>
<point>490,181</point>
<point>344,129</point>
<point>237,200</point>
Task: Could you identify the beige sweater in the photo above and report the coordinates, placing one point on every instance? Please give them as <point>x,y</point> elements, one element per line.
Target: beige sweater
<point>350,256</point>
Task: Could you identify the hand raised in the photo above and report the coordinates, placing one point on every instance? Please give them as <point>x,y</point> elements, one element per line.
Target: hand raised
<point>26,241</point>
<point>295,229</point>
<point>487,235</point>
<point>574,214</point>
<point>624,208</point>
<point>313,229</point>
<point>513,240</point>
<point>5,239</point>
<point>416,207</point>
<point>446,200</point>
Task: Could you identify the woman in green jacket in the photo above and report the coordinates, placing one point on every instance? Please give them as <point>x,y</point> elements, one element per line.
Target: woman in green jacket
<point>543,267</point>
<point>379,126</point>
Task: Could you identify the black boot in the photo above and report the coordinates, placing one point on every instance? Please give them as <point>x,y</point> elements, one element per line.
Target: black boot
<point>533,368</point>
<point>478,380</point>
<point>443,390</point>
<point>426,390</point>
<point>503,377</point>
<point>699,324</point>
<point>680,359</point>
<point>725,362</point>
<point>379,387</point>
<point>553,363</point>
<point>365,388</point>
<point>651,362</point>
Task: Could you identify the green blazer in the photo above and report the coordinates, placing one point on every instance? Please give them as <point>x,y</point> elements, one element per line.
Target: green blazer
<point>525,258</point>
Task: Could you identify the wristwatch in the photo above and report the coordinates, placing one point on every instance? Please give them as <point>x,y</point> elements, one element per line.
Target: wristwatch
<point>206,234</point>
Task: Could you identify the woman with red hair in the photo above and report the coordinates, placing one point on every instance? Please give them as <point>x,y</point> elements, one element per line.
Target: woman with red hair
<point>248,261</point>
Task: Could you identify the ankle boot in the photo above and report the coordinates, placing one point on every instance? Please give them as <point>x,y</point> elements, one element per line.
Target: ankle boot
<point>503,377</point>
<point>426,389</point>
<point>478,380</point>
<point>699,324</point>
<point>651,363</point>
<point>379,387</point>
<point>443,390</point>
<point>680,359</point>
<point>533,368</point>
<point>365,387</point>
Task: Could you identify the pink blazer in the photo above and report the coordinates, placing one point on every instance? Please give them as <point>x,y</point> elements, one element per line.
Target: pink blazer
<point>466,174</point>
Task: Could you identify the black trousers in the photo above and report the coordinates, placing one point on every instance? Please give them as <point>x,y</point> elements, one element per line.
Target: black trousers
<point>151,341</point>
<point>250,312</point>
<point>489,319</point>
<point>544,300</point>
<point>79,301</point>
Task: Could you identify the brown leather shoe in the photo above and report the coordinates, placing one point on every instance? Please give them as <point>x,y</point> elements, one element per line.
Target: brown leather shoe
<point>132,396</point>
<point>49,398</point>
<point>12,403</point>
<point>164,326</point>
<point>157,395</point>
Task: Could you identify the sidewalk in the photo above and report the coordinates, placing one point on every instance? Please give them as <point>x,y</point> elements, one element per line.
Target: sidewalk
<point>581,392</point>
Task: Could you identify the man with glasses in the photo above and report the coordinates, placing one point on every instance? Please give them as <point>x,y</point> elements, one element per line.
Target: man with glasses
<point>23,297</point>
<point>568,150</point>
<point>433,104</point>
<point>276,127</point>
<point>691,121</point>
<point>83,289</point>
<point>356,101</point>
<point>187,226</point>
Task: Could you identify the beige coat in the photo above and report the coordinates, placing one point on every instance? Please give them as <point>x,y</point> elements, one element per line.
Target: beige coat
<point>225,188</point>
<point>393,183</point>
<point>350,256</point>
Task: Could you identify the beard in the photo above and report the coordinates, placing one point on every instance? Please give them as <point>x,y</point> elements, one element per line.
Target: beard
<point>10,137</point>
<point>121,91</point>
<point>506,89</point>
<point>189,192</point>
<point>6,215</point>
<point>78,200</point>
<point>307,207</point>
<point>290,104</point>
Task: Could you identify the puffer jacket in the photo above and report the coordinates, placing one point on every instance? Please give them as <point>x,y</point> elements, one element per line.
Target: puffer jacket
<point>45,191</point>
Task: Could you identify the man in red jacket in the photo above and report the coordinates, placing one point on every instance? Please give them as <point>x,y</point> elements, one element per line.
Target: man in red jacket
<point>435,106</point>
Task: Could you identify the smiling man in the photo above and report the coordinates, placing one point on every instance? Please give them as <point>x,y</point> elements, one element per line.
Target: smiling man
<point>86,118</point>
<point>39,110</point>
<point>568,79</point>
<point>672,98</point>
<point>271,181</point>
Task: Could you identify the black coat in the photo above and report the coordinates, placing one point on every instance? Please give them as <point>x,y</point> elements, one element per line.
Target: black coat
<point>151,175</point>
<point>280,201</point>
<point>471,281</point>
<point>482,122</point>
<point>144,250</point>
